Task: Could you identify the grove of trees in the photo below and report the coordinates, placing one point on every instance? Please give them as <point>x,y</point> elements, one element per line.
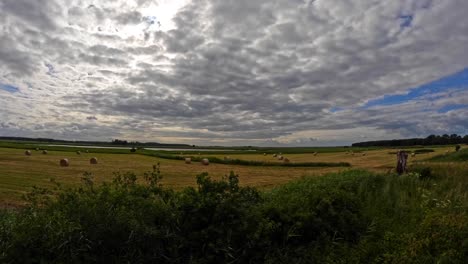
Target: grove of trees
<point>428,141</point>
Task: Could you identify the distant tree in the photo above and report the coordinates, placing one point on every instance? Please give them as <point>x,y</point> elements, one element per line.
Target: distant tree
<point>119,142</point>
<point>430,140</point>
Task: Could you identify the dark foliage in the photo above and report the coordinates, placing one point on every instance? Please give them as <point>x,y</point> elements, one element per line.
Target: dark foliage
<point>352,217</point>
<point>251,162</point>
<point>430,140</point>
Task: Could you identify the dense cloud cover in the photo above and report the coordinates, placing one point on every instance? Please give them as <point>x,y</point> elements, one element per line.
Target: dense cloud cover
<point>244,72</point>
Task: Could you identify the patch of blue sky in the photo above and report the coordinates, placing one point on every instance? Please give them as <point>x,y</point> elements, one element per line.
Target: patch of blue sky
<point>336,109</point>
<point>448,108</point>
<point>406,20</point>
<point>456,81</point>
<point>50,69</point>
<point>9,88</point>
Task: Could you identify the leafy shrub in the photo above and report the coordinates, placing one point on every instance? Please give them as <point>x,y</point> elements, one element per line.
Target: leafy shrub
<point>116,222</point>
<point>422,173</point>
<point>253,162</point>
<point>460,156</point>
<point>349,217</point>
<point>216,221</point>
<point>421,151</point>
<point>303,220</point>
<point>441,238</point>
<point>416,151</point>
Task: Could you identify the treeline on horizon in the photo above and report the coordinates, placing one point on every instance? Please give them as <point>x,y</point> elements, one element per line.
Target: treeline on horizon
<point>428,141</point>
<point>113,142</point>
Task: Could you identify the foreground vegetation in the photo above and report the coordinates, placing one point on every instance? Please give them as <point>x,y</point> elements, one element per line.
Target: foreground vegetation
<point>459,156</point>
<point>349,217</point>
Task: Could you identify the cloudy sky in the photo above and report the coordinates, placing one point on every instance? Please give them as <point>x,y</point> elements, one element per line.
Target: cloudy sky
<point>233,72</point>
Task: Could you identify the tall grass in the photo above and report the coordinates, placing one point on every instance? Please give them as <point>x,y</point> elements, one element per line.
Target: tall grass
<point>349,217</point>
<point>459,156</point>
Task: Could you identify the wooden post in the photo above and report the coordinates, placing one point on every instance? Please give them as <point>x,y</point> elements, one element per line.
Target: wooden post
<point>402,157</point>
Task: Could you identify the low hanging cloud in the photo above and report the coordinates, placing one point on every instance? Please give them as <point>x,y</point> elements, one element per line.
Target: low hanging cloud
<point>231,72</point>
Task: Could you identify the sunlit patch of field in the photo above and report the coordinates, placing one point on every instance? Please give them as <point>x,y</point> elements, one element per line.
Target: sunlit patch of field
<point>375,160</point>
<point>18,172</point>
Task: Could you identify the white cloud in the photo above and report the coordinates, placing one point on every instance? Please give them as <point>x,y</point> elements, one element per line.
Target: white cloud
<point>228,72</point>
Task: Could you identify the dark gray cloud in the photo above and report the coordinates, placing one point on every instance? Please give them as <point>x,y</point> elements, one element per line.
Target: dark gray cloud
<point>131,17</point>
<point>14,61</point>
<point>39,13</point>
<point>233,72</point>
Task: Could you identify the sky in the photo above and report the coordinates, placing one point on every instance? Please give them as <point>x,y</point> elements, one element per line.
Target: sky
<point>225,72</point>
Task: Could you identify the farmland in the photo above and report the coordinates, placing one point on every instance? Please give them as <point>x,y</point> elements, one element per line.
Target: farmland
<point>268,213</point>
<point>18,172</point>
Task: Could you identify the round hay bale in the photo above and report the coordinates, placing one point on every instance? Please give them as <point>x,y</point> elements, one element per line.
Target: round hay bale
<point>44,152</point>
<point>188,161</point>
<point>93,160</point>
<point>27,153</point>
<point>264,154</point>
<point>315,153</point>
<point>286,160</point>
<point>64,163</point>
<point>37,149</point>
<point>275,155</point>
<point>78,152</point>
<point>280,157</point>
<point>205,162</point>
<point>413,154</point>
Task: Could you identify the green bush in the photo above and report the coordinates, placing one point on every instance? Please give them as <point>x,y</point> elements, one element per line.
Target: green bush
<point>416,151</point>
<point>423,173</point>
<point>304,220</point>
<point>216,223</point>
<point>251,162</point>
<point>441,238</point>
<point>460,156</point>
<point>348,217</point>
<point>421,151</point>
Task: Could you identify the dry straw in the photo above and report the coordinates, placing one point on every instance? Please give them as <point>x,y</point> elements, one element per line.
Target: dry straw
<point>64,163</point>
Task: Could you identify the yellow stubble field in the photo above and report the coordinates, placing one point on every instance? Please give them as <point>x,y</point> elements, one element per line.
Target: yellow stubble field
<point>18,172</point>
